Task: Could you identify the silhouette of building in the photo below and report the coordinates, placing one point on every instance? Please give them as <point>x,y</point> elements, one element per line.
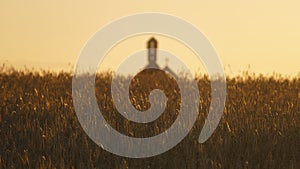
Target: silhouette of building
<point>152,57</point>
<point>152,53</point>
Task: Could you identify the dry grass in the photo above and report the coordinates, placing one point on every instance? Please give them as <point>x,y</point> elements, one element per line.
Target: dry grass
<point>39,129</point>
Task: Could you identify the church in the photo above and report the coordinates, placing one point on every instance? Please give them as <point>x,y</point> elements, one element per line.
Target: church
<point>152,57</point>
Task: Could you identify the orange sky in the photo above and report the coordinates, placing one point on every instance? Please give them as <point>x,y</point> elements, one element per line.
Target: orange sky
<point>50,34</point>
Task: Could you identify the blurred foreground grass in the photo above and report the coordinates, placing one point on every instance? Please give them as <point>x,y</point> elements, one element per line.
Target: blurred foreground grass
<point>39,129</point>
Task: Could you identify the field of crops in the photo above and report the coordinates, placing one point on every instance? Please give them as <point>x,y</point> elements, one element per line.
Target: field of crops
<point>260,127</point>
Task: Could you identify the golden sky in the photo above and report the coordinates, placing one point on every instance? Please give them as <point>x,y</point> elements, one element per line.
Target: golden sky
<point>50,34</point>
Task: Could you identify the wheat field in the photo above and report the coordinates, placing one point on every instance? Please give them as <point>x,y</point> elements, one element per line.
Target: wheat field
<point>39,128</point>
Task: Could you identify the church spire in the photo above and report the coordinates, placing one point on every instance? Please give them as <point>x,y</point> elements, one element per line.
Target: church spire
<point>152,54</point>
<point>167,61</point>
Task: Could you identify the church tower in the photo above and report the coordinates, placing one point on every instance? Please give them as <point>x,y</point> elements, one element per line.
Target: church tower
<point>152,46</point>
<point>152,56</point>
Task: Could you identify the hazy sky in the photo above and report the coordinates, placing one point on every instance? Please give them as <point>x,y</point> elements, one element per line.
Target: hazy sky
<point>50,34</point>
